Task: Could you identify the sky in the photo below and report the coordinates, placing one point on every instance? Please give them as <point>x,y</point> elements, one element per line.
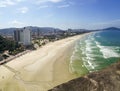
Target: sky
<point>63,14</point>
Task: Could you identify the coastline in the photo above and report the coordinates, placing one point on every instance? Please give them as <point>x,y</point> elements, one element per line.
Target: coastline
<point>39,70</point>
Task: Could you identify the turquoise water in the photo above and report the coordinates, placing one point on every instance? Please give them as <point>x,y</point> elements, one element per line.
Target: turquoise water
<point>95,51</point>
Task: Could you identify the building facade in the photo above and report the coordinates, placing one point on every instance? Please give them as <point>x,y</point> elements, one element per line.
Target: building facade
<point>23,36</point>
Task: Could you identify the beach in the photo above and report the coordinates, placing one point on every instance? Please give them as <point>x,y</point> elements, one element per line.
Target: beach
<point>39,70</point>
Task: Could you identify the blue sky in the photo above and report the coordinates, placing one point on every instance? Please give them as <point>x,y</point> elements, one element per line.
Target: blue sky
<point>89,14</point>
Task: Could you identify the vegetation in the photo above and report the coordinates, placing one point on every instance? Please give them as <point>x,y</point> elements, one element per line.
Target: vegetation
<point>5,56</point>
<point>40,41</point>
<point>11,46</point>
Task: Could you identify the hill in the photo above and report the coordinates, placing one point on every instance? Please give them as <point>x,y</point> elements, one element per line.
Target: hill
<point>45,30</point>
<point>9,31</point>
<point>112,28</point>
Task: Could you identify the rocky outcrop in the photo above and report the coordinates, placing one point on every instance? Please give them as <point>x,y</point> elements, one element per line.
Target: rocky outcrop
<point>107,79</point>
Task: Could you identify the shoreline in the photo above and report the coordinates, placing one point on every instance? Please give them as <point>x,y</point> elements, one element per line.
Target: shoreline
<point>41,69</point>
<point>12,57</point>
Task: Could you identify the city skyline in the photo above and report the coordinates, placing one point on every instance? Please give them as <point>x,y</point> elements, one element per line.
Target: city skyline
<point>64,14</point>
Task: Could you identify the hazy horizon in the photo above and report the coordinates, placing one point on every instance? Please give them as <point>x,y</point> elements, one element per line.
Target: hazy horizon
<point>61,28</point>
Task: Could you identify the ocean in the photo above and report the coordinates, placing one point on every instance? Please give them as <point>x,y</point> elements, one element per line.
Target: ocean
<point>95,52</point>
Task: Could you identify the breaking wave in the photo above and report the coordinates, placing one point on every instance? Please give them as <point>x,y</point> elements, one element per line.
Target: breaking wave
<point>93,53</point>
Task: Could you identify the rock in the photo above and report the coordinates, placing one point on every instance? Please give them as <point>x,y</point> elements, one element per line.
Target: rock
<point>107,79</point>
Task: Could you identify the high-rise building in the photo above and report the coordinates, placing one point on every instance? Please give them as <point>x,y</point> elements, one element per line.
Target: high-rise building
<point>23,36</point>
<point>17,35</point>
<point>38,32</point>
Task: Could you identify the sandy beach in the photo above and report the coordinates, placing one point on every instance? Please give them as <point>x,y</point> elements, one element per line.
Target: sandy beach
<point>41,69</point>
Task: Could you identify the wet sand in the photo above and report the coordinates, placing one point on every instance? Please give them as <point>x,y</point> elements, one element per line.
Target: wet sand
<point>39,70</point>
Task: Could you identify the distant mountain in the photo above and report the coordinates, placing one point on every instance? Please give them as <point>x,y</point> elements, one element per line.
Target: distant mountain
<point>9,31</point>
<point>112,28</point>
<point>43,29</point>
<point>79,30</point>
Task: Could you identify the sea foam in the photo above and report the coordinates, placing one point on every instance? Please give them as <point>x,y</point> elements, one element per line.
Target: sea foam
<point>107,51</point>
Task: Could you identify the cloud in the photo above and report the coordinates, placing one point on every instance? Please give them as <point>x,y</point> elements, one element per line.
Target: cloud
<point>49,15</point>
<point>23,10</point>
<point>44,6</point>
<point>64,6</point>
<point>45,1</point>
<point>5,3</point>
<point>55,1</point>
<point>19,0</point>
<point>16,23</point>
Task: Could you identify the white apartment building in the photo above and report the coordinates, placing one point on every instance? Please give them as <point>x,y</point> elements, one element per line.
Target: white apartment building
<point>23,36</point>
